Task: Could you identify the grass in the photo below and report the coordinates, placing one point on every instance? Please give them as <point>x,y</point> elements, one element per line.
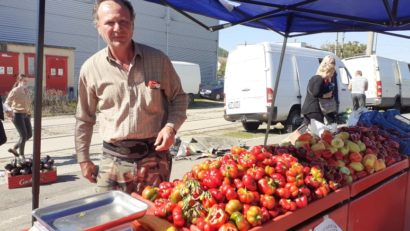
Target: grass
<point>242,134</point>
<point>200,103</point>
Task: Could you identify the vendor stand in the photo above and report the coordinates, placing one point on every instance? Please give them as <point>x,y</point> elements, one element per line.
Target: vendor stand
<point>290,19</point>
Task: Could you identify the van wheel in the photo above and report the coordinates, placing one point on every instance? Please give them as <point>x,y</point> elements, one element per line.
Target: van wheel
<point>294,121</point>
<point>218,97</point>
<point>190,98</point>
<point>251,126</point>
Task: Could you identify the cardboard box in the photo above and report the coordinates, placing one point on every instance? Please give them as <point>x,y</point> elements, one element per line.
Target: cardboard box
<point>20,181</point>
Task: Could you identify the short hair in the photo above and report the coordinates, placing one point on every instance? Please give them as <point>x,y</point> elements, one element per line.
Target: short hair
<point>125,3</point>
<point>359,72</point>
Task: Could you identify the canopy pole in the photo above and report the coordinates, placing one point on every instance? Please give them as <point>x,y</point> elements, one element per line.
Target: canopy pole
<point>38,88</point>
<point>275,89</point>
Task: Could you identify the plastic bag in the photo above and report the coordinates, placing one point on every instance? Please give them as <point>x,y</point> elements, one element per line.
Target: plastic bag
<point>317,127</point>
<point>355,116</point>
<point>327,224</point>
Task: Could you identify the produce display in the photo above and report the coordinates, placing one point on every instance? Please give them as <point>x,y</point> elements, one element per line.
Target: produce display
<point>246,188</point>
<point>24,167</point>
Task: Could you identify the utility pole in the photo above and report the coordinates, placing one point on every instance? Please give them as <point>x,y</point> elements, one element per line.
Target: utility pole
<point>337,43</point>
<point>343,43</point>
<point>370,42</point>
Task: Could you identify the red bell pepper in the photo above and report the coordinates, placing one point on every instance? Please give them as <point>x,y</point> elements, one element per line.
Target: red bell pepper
<point>249,182</point>
<point>266,185</point>
<point>254,216</point>
<point>216,217</point>
<point>301,201</point>
<point>245,196</point>
<point>267,201</point>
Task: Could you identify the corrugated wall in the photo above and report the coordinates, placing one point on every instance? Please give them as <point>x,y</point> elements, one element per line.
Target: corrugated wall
<point>69,24</point>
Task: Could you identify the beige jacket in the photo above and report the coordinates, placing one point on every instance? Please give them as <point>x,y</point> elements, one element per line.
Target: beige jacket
<point>134,104</point>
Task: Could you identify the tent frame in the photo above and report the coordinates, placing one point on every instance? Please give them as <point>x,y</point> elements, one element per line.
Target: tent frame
<point>392,22</point>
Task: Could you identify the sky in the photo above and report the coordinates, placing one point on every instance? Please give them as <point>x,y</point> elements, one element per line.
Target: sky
<point>386,46</point>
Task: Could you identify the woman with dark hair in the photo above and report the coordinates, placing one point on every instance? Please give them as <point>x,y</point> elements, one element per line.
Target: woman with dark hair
<point>20,109</point>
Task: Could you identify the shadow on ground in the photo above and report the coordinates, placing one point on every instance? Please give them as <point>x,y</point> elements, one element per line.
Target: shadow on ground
<point>66,178</point>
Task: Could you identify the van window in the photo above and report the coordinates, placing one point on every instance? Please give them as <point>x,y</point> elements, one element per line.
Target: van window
<point>344,75</point>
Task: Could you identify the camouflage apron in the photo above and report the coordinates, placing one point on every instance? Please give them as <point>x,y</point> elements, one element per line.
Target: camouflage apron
<point>134,170</point>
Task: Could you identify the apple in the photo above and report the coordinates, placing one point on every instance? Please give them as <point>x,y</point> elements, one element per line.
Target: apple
<point>362,146</point>
<point>356,166</point>
<point>343,135</point>
<point>379,165</point>
<point>318,146</point>
<point>355,157</point>
<point>353,147</point>
<point>340,163</point>
<point>299,143</point>
<point>344,150</point>
<point>337,142</point>
<point>369,161</point>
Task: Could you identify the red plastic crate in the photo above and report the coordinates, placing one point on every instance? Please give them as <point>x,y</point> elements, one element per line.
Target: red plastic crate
<point>20,181</point>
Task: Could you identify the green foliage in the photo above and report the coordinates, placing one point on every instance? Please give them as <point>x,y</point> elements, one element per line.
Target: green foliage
<point>349,49</point>
<point>221,70</point>
<point>222,57</point>
<point>222,52</point>
<point>55,102</point>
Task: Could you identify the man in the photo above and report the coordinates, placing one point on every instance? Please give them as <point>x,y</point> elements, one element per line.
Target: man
<point>358,86</point>
<point>141,104</point>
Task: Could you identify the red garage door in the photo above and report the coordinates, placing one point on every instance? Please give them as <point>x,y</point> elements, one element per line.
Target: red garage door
<point>9,66</point>
<point>56,73</point>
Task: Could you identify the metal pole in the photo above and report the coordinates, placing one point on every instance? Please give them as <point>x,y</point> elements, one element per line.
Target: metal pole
<point>38,87</point>
<point>275,89</point>
<point>370,41</point>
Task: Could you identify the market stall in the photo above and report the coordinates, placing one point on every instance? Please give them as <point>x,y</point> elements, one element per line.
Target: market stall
<point>319,180</point>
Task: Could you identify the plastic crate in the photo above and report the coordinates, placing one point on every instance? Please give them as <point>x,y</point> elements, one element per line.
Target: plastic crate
<point>20,181</point>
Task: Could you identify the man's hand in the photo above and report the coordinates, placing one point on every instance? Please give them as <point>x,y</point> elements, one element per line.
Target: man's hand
<point>89,170</point>
<point>9,114</point>
<point>165,139</point>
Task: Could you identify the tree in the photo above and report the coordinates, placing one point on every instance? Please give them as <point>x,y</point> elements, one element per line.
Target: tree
<point>222,52</point>
<point>222,56</point>
<point>346,50</point>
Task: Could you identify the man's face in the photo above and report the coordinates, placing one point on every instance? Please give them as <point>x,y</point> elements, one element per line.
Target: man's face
<point>114,24</point>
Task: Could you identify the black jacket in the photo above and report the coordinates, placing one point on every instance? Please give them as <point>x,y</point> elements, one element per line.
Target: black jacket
<point>315,90</point>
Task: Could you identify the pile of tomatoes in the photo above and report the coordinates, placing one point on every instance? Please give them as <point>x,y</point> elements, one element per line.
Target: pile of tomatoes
<point>242,189</point>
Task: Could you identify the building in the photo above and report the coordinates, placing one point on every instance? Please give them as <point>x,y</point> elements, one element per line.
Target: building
<point>70,36</point>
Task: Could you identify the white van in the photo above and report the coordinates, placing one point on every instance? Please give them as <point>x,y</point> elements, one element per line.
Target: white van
<point>388,80</point>
<point>190,75</point>
<point>250,77</point>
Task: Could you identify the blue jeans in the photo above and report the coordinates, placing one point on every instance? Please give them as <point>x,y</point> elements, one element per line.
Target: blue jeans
<point>23,125</point>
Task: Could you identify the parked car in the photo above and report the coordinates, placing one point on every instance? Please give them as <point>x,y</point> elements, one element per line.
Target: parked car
<point>213,90</point>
